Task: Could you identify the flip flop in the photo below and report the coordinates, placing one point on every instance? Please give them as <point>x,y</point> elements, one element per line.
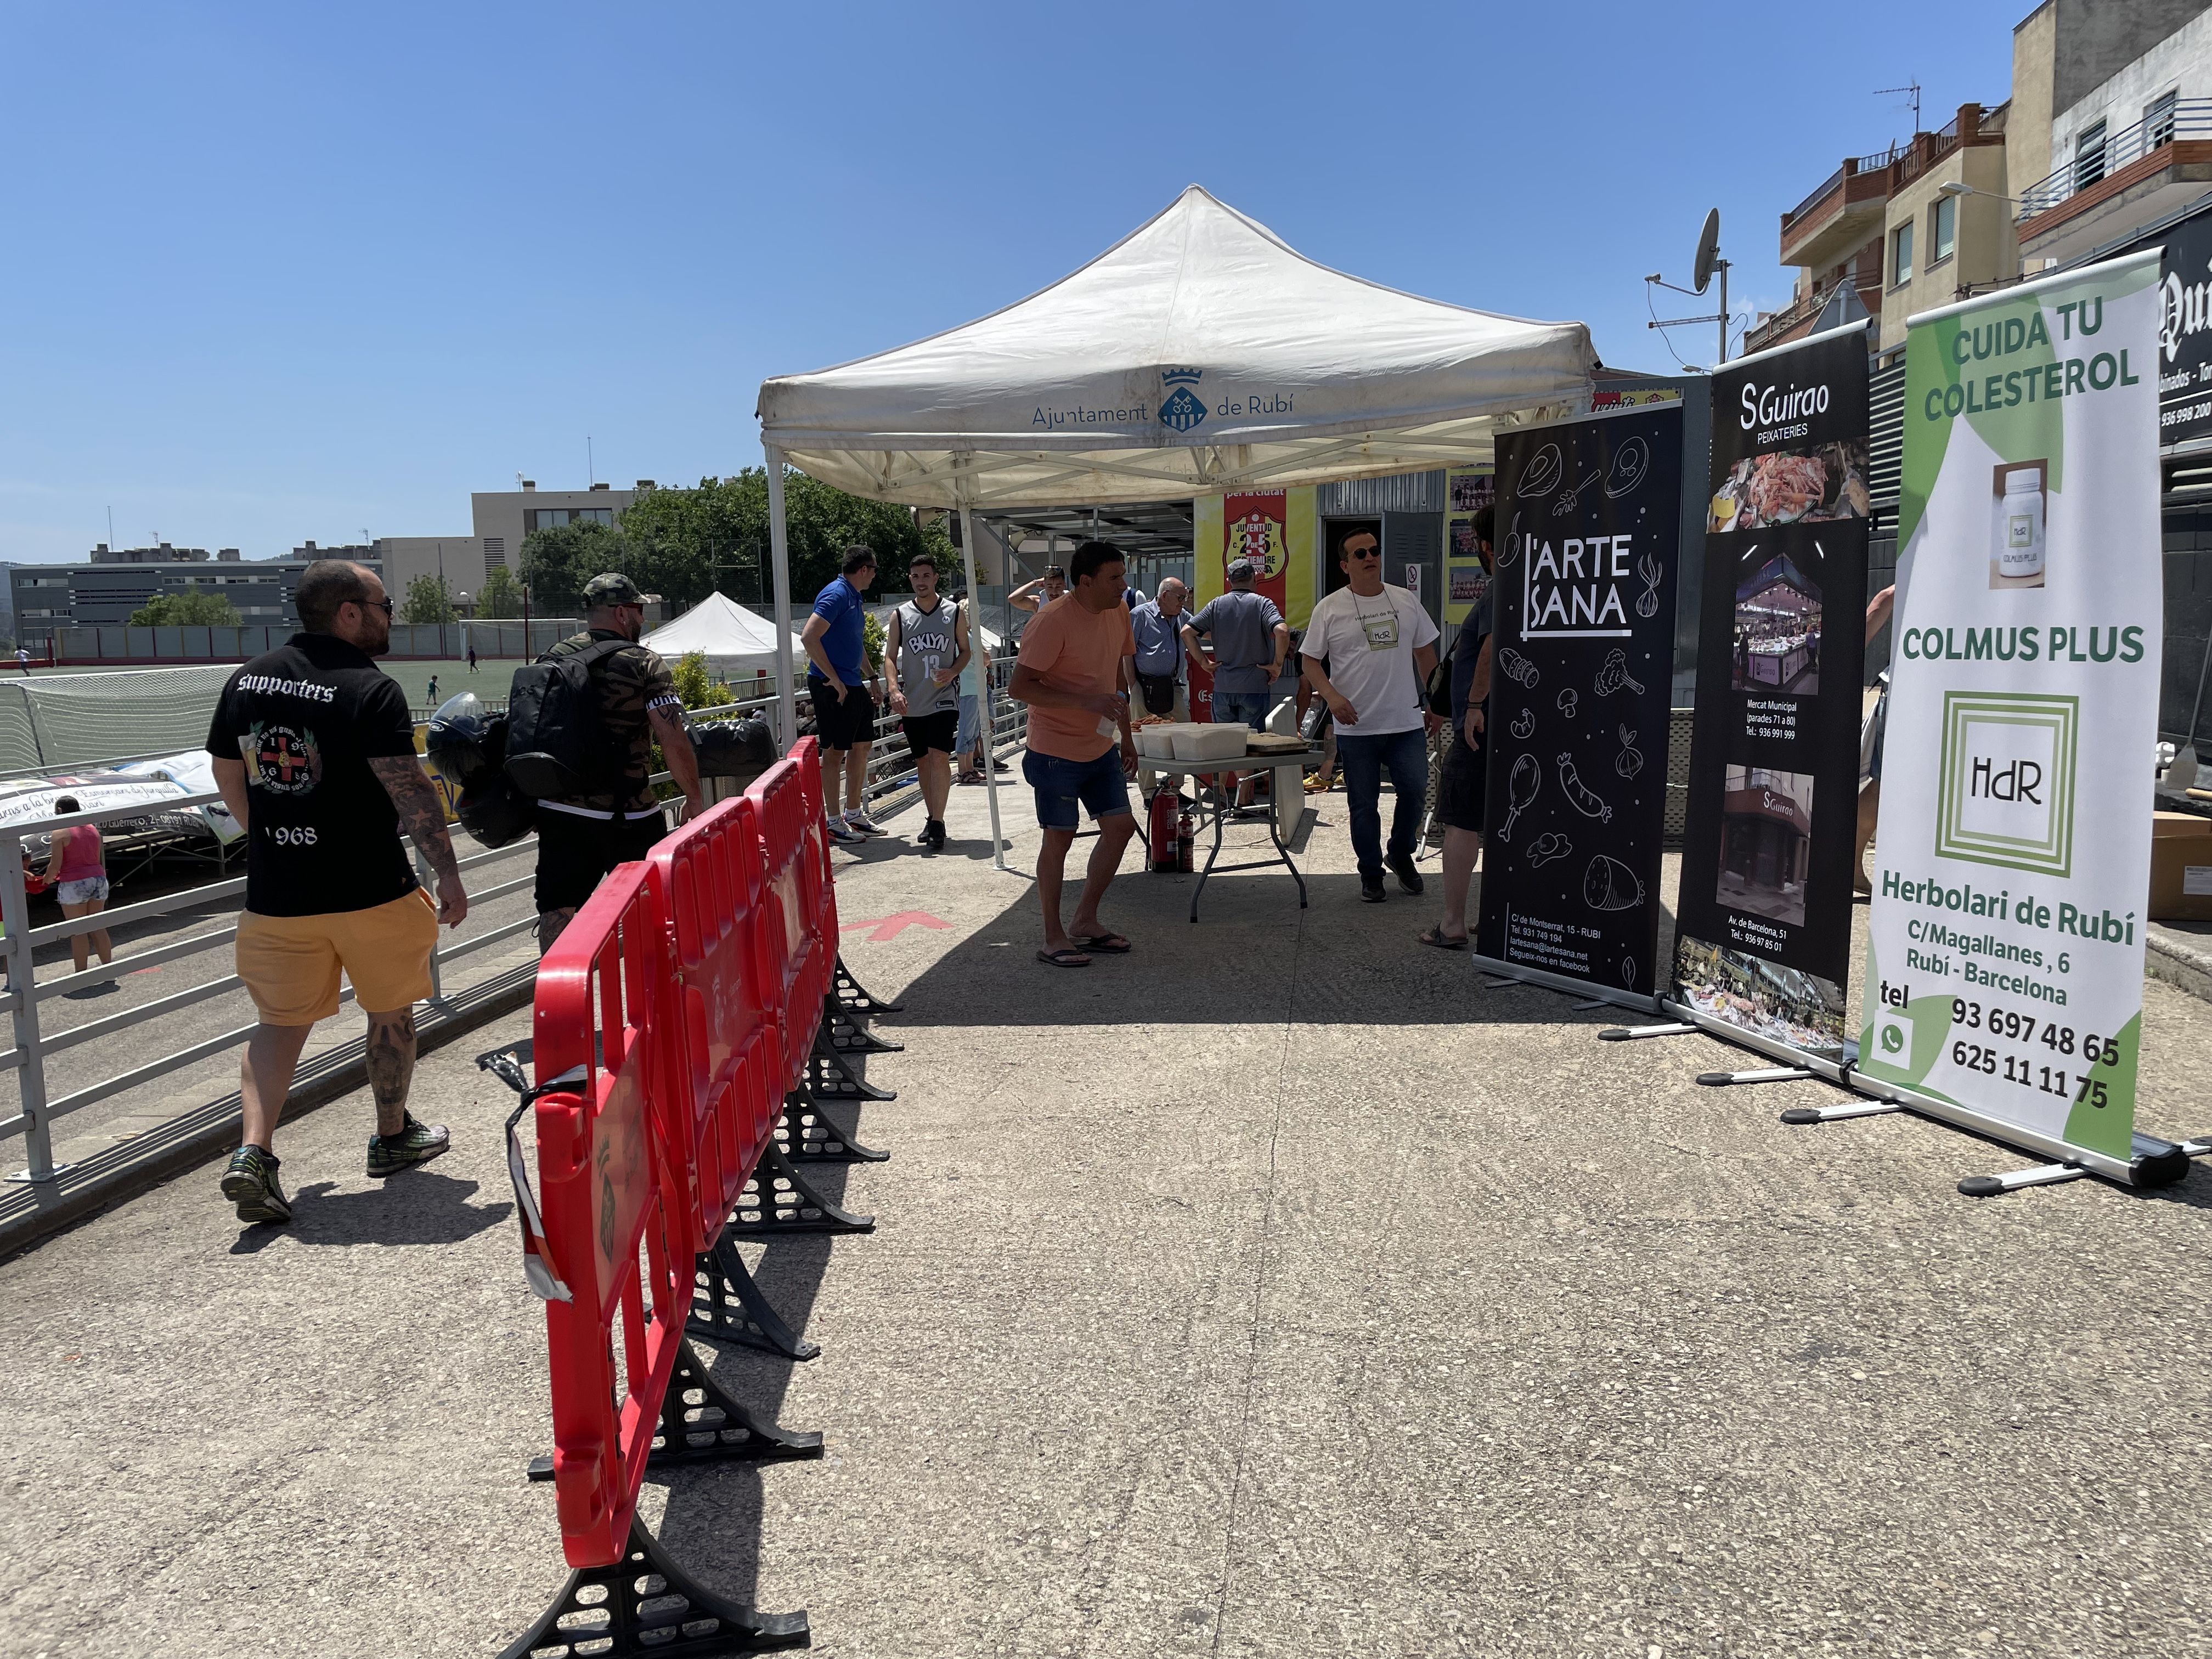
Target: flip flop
<point>1442,941</point>
<point>1112,945</point>
<point>1064,958</point>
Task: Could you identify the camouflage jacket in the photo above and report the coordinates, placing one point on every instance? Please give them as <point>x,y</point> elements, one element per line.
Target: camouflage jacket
<point>632,685</point>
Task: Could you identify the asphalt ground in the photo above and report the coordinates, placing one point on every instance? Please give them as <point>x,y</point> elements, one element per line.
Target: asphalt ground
<point>1274,1289</point>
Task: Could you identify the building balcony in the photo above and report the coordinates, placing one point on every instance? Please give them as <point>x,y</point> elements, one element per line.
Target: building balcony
<point>1845,211</point>
<point>2131,177</point>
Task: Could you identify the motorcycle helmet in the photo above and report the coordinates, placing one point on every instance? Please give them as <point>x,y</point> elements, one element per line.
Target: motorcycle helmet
<point>458,740</point>
<point>494,810</point>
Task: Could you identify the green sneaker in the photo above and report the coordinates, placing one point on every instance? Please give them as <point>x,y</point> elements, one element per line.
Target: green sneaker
<point>416,1143</point>
<point>251,1183</point>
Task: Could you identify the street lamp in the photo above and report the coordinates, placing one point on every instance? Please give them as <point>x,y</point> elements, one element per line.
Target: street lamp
<point>1953,187</point>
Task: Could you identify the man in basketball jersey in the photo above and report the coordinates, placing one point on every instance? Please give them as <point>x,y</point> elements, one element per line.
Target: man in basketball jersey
<point>925,647</point>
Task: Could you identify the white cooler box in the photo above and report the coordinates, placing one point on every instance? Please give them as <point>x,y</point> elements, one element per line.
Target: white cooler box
<point>1158,742</point>
<point>1207,743</point>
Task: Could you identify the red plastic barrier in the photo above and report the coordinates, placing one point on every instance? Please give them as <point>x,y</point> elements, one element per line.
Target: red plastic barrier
<point>825,915</point>
<point>607,1189</point>
<point>724,1061</point>
<point>786,816</point>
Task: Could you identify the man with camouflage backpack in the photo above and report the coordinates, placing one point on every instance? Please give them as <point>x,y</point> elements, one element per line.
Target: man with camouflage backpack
<point>582,836</point>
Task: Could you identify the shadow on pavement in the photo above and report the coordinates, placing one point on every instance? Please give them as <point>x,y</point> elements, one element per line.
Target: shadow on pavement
<point>417,1208</point>
<point>713,1523</point>
<point>1253,958</point>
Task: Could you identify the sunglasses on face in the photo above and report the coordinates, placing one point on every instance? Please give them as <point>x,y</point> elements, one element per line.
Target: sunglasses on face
<point>1363,553</point>
<point>384,605</point>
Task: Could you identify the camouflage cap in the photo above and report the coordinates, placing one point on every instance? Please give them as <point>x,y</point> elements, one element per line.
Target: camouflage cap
<point>611,589</point>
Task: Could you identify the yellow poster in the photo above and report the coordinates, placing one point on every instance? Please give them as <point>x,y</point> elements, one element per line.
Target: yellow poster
<point>1273,528</point>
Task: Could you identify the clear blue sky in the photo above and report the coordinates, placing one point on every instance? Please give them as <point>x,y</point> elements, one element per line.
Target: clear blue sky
<point>280,272</point>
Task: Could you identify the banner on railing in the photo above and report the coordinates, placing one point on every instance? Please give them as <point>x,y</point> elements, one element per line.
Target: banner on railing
<point>2005,958</point>
<point>1588,513</point>
<point>1763,918</point>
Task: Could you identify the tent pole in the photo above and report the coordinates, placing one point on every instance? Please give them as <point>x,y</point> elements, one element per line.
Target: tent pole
<point>990,714</point>
<point>779,541</point>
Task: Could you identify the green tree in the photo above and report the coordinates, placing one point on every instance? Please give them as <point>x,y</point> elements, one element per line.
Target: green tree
<point>683,544</point>
<point>188,608</point>
<point>501,595</point>
<point>429,600</point>
<point>694,687</point>
<point>557,562</point>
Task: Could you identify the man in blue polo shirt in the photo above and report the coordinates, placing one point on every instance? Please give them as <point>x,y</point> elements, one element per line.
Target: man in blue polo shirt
<point>844,710</point>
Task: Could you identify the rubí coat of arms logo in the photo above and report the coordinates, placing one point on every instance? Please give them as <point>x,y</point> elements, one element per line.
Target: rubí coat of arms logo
<point>1181,409</point>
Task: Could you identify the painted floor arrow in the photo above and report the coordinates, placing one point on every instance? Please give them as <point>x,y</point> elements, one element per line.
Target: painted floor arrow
<point>889,928</point>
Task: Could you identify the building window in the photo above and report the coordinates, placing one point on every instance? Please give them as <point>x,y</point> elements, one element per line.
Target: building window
<point>1942,229</point>
<point>2089,157</point>
<point>1900,256</point>
<point>495,550</point>
<point>2158,121</point>
<point>552,518</point>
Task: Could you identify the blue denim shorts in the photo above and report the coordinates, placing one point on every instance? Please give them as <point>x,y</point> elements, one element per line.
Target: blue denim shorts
<point>1060,784</point>
<point>1251,708</point>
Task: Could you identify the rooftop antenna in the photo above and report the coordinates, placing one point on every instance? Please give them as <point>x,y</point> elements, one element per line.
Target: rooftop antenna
<point>1911,88</point>
<point>1706,262</point>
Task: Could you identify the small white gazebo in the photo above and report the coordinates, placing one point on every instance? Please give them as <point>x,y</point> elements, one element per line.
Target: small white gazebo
<point>733,640</point>
<point>1197,356</point>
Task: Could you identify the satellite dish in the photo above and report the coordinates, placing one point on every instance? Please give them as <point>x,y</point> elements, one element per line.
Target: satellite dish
<point>1708,249</point>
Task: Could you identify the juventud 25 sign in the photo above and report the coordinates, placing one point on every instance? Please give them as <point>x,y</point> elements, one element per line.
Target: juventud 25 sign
<point>2005,958</point>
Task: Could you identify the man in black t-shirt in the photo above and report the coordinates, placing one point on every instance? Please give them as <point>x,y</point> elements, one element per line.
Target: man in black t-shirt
<point>314,753</point>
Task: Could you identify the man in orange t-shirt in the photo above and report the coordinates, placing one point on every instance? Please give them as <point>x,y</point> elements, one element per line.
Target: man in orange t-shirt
<point>1069,672</point>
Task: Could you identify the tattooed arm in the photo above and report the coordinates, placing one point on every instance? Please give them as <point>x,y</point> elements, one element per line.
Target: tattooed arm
<point>423,816</point>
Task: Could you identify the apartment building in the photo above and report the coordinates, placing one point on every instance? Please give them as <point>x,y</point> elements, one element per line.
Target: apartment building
<point>1919,225</point>
<point>503,518</point>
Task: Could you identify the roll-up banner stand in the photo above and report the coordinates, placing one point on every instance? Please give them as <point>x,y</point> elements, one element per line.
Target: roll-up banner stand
<point>1763,938</point>
<point>2003,976</point>
<point>1588,519</point>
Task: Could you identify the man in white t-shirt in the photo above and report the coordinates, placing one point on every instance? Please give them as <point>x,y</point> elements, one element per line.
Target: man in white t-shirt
<point>1379,646</point>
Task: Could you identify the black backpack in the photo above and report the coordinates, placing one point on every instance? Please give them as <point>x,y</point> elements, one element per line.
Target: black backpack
<point>557,746</point>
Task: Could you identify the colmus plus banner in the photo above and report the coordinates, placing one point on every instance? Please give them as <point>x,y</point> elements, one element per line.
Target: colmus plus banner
<point>1588,518</point>
<point>1763,940</point>
<point>2005,960</point>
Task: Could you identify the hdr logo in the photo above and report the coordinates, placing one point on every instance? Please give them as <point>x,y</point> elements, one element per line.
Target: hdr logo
<point>2007,788</point>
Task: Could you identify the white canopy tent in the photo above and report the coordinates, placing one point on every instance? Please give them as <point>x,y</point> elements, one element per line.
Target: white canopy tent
<point>1200,354</point>
<point>733,640</point>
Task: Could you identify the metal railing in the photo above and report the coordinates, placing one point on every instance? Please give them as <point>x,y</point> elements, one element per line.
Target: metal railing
<point>26,994</point>
<point>1834,181</point>
<point>891,778</point>
<point>2188,118</point>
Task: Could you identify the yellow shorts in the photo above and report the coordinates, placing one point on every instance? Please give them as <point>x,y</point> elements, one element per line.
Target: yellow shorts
<point>290,963</point>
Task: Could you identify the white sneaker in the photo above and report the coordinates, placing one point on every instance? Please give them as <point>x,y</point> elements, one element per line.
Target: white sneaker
<point>862,825</point>
<point>838,832</point>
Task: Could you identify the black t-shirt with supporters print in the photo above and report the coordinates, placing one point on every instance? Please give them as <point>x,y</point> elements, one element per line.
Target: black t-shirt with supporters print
<point>306,719</point>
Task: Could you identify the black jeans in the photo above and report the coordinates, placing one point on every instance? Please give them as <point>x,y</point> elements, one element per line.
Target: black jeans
<point>575,854</point>
<point>1405,755</point>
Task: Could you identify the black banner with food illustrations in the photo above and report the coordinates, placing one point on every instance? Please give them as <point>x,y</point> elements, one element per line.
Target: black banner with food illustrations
<point>1763,935</point>
<point>1588,519</point>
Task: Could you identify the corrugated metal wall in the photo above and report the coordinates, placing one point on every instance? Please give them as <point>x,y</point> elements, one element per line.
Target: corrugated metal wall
<point>1367,498</point>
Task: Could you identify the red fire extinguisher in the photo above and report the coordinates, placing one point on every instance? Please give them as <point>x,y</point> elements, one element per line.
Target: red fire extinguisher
<point>1163,827</point>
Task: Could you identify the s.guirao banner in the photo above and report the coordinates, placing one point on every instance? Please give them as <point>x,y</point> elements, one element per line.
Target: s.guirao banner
<point>2005,957</point>
<point>1763,940</point>
<point>1588,519</point>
